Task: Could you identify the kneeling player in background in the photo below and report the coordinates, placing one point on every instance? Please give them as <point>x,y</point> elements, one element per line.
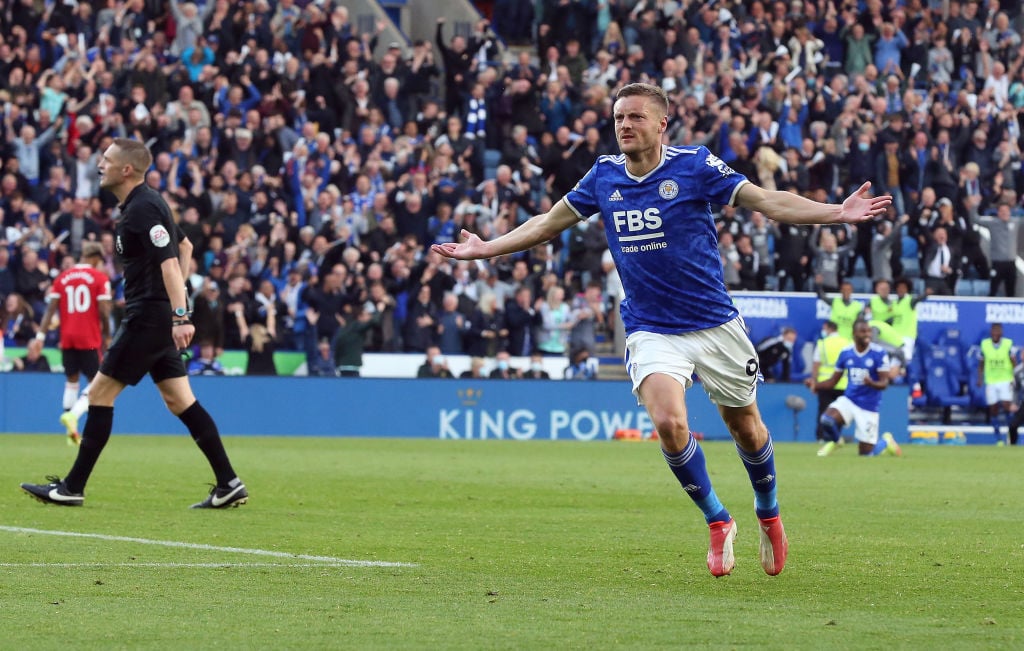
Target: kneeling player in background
<point>866,366</point>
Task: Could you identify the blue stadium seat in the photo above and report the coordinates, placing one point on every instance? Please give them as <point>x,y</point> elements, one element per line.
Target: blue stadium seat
<point>955,355</point>
<point>492,158</point>
<point>861,284</point>
<point>911,265</point>
<point>949,337</point>
<point>979,287</point>
<point>909,247</point>
<point>941,387</point>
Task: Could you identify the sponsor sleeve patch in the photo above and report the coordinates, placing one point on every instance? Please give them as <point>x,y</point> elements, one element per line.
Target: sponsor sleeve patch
<point>159,236</point>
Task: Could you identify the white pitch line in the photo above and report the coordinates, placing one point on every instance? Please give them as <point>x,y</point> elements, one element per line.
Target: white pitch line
<point>213,548</point>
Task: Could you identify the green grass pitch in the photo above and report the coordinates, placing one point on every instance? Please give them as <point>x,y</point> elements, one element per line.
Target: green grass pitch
<point>509,545</point>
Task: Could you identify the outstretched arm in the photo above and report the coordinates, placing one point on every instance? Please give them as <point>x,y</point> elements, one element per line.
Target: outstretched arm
<point>794,209</point>
<point>536,230</point>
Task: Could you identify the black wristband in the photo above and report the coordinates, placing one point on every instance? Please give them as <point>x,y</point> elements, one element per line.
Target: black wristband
<point>178,322</point>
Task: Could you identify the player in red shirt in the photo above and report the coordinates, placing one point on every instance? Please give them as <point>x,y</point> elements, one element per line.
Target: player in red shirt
<point>82,293</point>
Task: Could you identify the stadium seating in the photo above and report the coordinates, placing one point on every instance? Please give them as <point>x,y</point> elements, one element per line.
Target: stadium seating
<point>492,158</point>
<point>861,284</point>
<point>942,387</point>
<point>911,266</point>
<point>972,287</point>
<point>955,356</point>
<point>909,246</point>
<point>909,254</point>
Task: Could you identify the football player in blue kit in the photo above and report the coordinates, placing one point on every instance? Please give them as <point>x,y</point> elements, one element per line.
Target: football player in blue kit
<point>866,365</point>
<point>655,201</point>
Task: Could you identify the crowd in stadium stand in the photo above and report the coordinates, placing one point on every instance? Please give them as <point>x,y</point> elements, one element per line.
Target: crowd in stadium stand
<point>311,165</point>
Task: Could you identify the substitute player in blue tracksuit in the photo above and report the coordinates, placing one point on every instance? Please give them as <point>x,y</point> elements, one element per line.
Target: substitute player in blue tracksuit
<point>655,201</point>
<point>866,365</point>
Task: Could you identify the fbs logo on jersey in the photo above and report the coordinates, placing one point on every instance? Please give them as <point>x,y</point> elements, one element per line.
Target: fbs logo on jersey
<point>634,221</point>
<point>159,236</point>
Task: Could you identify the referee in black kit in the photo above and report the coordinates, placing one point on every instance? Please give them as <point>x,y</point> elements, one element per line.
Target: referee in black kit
<point>155,327</point>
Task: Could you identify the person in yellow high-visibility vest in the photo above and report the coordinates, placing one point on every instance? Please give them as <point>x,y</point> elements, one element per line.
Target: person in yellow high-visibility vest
<point>903,312</point>
<point>880,305</point>
<point>823,365</point>
<point>844,309</point>
<point>995,372</point>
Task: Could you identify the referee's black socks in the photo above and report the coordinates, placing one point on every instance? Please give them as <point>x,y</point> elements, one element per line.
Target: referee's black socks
<point>204,432</point>
<point>95,435</point>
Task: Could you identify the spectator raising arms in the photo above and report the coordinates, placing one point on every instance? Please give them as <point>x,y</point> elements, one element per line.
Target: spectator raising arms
<point>288,135</point>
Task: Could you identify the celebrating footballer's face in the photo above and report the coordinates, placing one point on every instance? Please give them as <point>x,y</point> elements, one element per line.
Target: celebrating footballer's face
<point>639,123</point>
<point>862,335</point>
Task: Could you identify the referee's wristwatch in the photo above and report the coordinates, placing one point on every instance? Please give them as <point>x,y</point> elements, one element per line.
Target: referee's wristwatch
<point>181,316</point>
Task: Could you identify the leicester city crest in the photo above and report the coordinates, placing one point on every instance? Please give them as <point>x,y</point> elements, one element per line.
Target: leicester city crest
<point>668,189</point>
<point>719,164</point>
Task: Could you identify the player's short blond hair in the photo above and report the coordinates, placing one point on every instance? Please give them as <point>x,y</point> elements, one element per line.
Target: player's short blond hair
<point>656,93</point>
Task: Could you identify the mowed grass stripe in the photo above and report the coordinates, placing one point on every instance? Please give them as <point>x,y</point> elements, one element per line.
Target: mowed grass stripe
<point>519,545</point>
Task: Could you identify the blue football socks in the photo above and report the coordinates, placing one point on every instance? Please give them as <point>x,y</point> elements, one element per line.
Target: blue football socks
<point>691,470</point>
<point>879,447</point>
<point>830,428</point>
<point>760,467</point>
<point>997,420</point>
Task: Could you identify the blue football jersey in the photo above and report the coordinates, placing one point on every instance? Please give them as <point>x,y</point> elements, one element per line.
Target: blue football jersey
<point>872,362</point>
<point>662,236</point>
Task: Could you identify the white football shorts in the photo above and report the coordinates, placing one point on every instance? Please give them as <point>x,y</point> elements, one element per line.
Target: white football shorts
<point>866,430</point>
<point>723,358</point>
<point>998,392</point>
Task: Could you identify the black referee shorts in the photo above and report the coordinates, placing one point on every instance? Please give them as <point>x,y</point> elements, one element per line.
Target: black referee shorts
<point>143,344</point>
<point>77,360</point>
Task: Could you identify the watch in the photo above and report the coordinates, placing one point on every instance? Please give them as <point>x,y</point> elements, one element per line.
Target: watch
<point>181,312</point>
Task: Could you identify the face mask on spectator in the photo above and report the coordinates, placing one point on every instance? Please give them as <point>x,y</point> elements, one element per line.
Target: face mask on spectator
<point>863,146</point>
